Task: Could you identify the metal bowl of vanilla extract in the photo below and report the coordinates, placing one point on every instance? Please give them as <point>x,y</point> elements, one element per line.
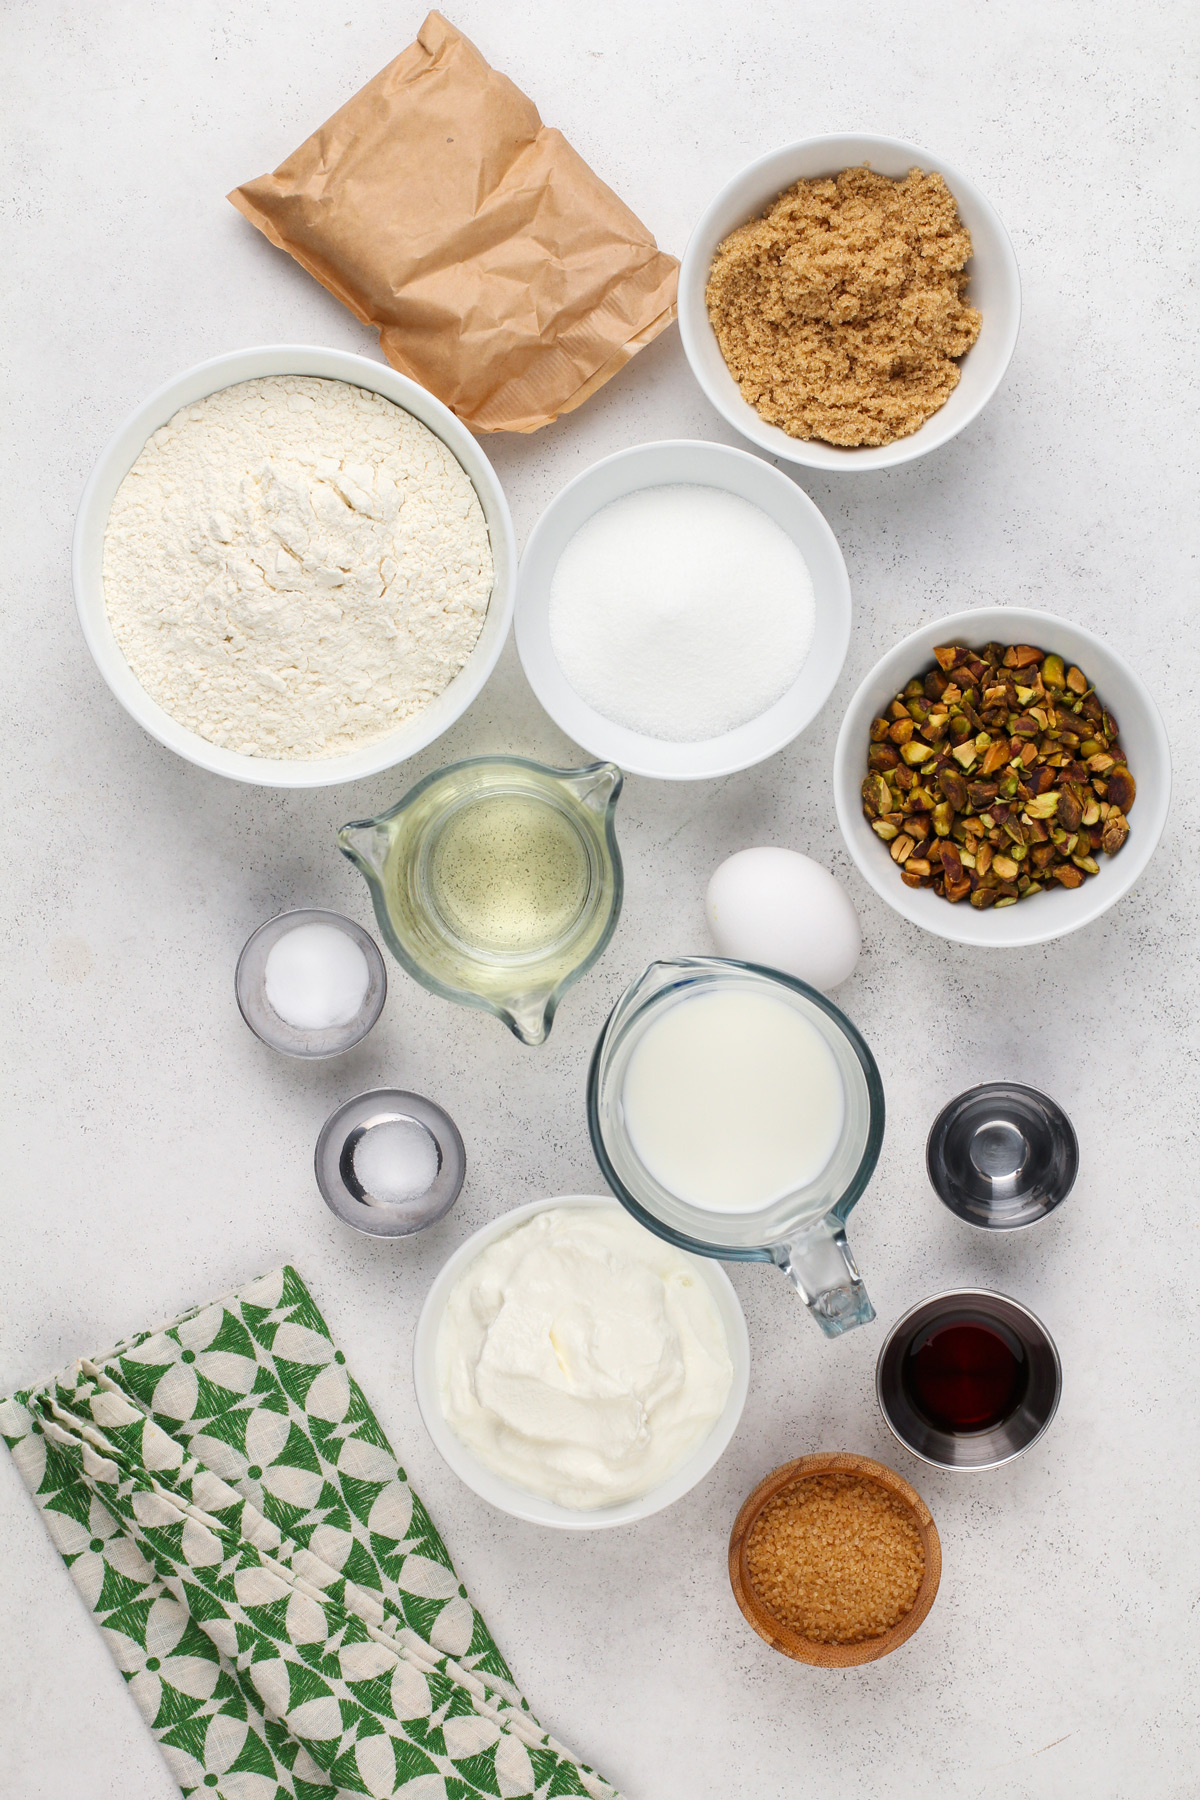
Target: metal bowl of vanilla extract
<point>968,1380</point>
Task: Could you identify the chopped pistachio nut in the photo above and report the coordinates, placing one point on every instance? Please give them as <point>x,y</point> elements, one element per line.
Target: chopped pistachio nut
<point>997,774</point>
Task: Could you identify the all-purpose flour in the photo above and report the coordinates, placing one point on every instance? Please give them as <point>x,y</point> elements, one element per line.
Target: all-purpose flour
<point>294,566</point>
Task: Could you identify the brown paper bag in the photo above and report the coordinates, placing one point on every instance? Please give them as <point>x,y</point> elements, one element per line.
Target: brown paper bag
<point>500,272</point>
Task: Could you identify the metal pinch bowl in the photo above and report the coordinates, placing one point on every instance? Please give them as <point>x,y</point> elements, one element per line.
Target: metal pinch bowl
<point>344,1193</point>
<point>1002,1156</point>
<point>260,1015</point>
<point>971,1450</point>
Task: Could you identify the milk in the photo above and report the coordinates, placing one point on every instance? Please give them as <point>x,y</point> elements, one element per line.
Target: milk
<point>733,1099</point>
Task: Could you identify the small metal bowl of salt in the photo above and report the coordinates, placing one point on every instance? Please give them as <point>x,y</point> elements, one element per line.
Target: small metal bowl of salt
<point>389,1163</point>
<point>310,983</point>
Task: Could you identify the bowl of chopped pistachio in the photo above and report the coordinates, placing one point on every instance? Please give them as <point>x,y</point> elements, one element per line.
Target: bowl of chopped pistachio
<point>1002,777</point>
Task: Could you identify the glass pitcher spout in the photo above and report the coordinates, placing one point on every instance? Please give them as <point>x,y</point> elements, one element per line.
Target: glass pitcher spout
<point>596,786</point>
<point>821,1265</point>
<point>667,973</point>
<point>366,844</point>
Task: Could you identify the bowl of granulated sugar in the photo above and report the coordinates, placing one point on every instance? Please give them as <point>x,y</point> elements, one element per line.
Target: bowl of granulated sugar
<point>683,610</point>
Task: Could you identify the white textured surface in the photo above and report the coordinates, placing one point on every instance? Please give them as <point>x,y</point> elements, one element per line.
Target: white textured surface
<point>155,1153</point>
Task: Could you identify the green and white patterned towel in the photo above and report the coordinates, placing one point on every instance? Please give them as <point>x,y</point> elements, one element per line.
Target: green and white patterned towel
<point>287,1618</point>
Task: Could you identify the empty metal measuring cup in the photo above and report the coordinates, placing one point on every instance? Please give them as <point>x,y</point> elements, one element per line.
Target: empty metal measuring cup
<point>1002,1156</point>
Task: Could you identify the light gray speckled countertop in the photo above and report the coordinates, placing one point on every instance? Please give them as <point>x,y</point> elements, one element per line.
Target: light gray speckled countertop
<point>155,1154</point>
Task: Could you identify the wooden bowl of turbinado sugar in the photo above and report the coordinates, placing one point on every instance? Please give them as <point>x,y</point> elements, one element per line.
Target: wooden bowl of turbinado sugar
<point>835,1560</point>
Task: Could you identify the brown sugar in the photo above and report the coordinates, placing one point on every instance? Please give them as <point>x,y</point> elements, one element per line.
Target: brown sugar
<point>836,1557</point>
<point>840,311</point>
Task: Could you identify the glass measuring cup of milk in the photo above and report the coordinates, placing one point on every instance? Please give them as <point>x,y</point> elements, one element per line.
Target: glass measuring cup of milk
<point>737,1113</point>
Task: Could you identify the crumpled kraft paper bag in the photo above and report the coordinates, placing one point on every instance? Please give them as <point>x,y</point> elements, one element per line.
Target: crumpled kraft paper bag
<point>500,272</point>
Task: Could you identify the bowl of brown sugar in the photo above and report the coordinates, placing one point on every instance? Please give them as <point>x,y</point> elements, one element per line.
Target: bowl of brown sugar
<point>849,302</point>
<point>835,1560</point>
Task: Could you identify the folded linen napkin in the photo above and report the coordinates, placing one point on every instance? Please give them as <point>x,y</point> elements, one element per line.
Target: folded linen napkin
<point>274,1593</point>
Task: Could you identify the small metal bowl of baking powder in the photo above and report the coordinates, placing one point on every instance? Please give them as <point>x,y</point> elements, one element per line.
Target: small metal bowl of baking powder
<point>389,1163</point>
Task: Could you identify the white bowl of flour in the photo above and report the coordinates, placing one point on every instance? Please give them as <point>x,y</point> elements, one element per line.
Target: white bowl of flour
<point>683,610</point>
<point>305,578</point>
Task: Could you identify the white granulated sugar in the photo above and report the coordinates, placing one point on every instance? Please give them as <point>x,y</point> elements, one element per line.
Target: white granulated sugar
<point>681,612</point>
<point>295,566</point>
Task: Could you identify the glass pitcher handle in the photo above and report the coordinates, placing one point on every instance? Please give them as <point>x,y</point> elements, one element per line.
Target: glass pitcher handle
<point>821,1265</point>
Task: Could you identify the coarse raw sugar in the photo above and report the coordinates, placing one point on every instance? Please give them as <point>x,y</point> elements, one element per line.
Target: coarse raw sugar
<point>840,312</point>
<point>836,1557</point>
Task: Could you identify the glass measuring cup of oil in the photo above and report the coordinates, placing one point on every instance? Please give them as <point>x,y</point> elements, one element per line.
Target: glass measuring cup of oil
<point>737,1113</point>
<point>497,882</point>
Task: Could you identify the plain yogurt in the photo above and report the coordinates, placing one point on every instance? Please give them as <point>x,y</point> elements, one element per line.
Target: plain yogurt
<point>582,1358</point>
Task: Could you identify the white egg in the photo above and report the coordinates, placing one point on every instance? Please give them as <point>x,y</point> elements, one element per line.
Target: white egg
<point>780,908</point>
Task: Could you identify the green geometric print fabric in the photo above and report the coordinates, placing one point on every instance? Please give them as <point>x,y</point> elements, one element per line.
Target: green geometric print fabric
<point>284,1613</point>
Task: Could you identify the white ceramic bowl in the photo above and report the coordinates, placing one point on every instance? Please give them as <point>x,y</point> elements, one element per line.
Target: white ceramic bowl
<point>705,465</point>
<point>1057,911</point>
<point>518,1500</point>
<point>995,289</point>
<point>123,451</point>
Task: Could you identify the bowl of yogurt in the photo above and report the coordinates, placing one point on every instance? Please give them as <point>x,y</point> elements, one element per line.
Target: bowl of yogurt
<point>576,1371</point>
